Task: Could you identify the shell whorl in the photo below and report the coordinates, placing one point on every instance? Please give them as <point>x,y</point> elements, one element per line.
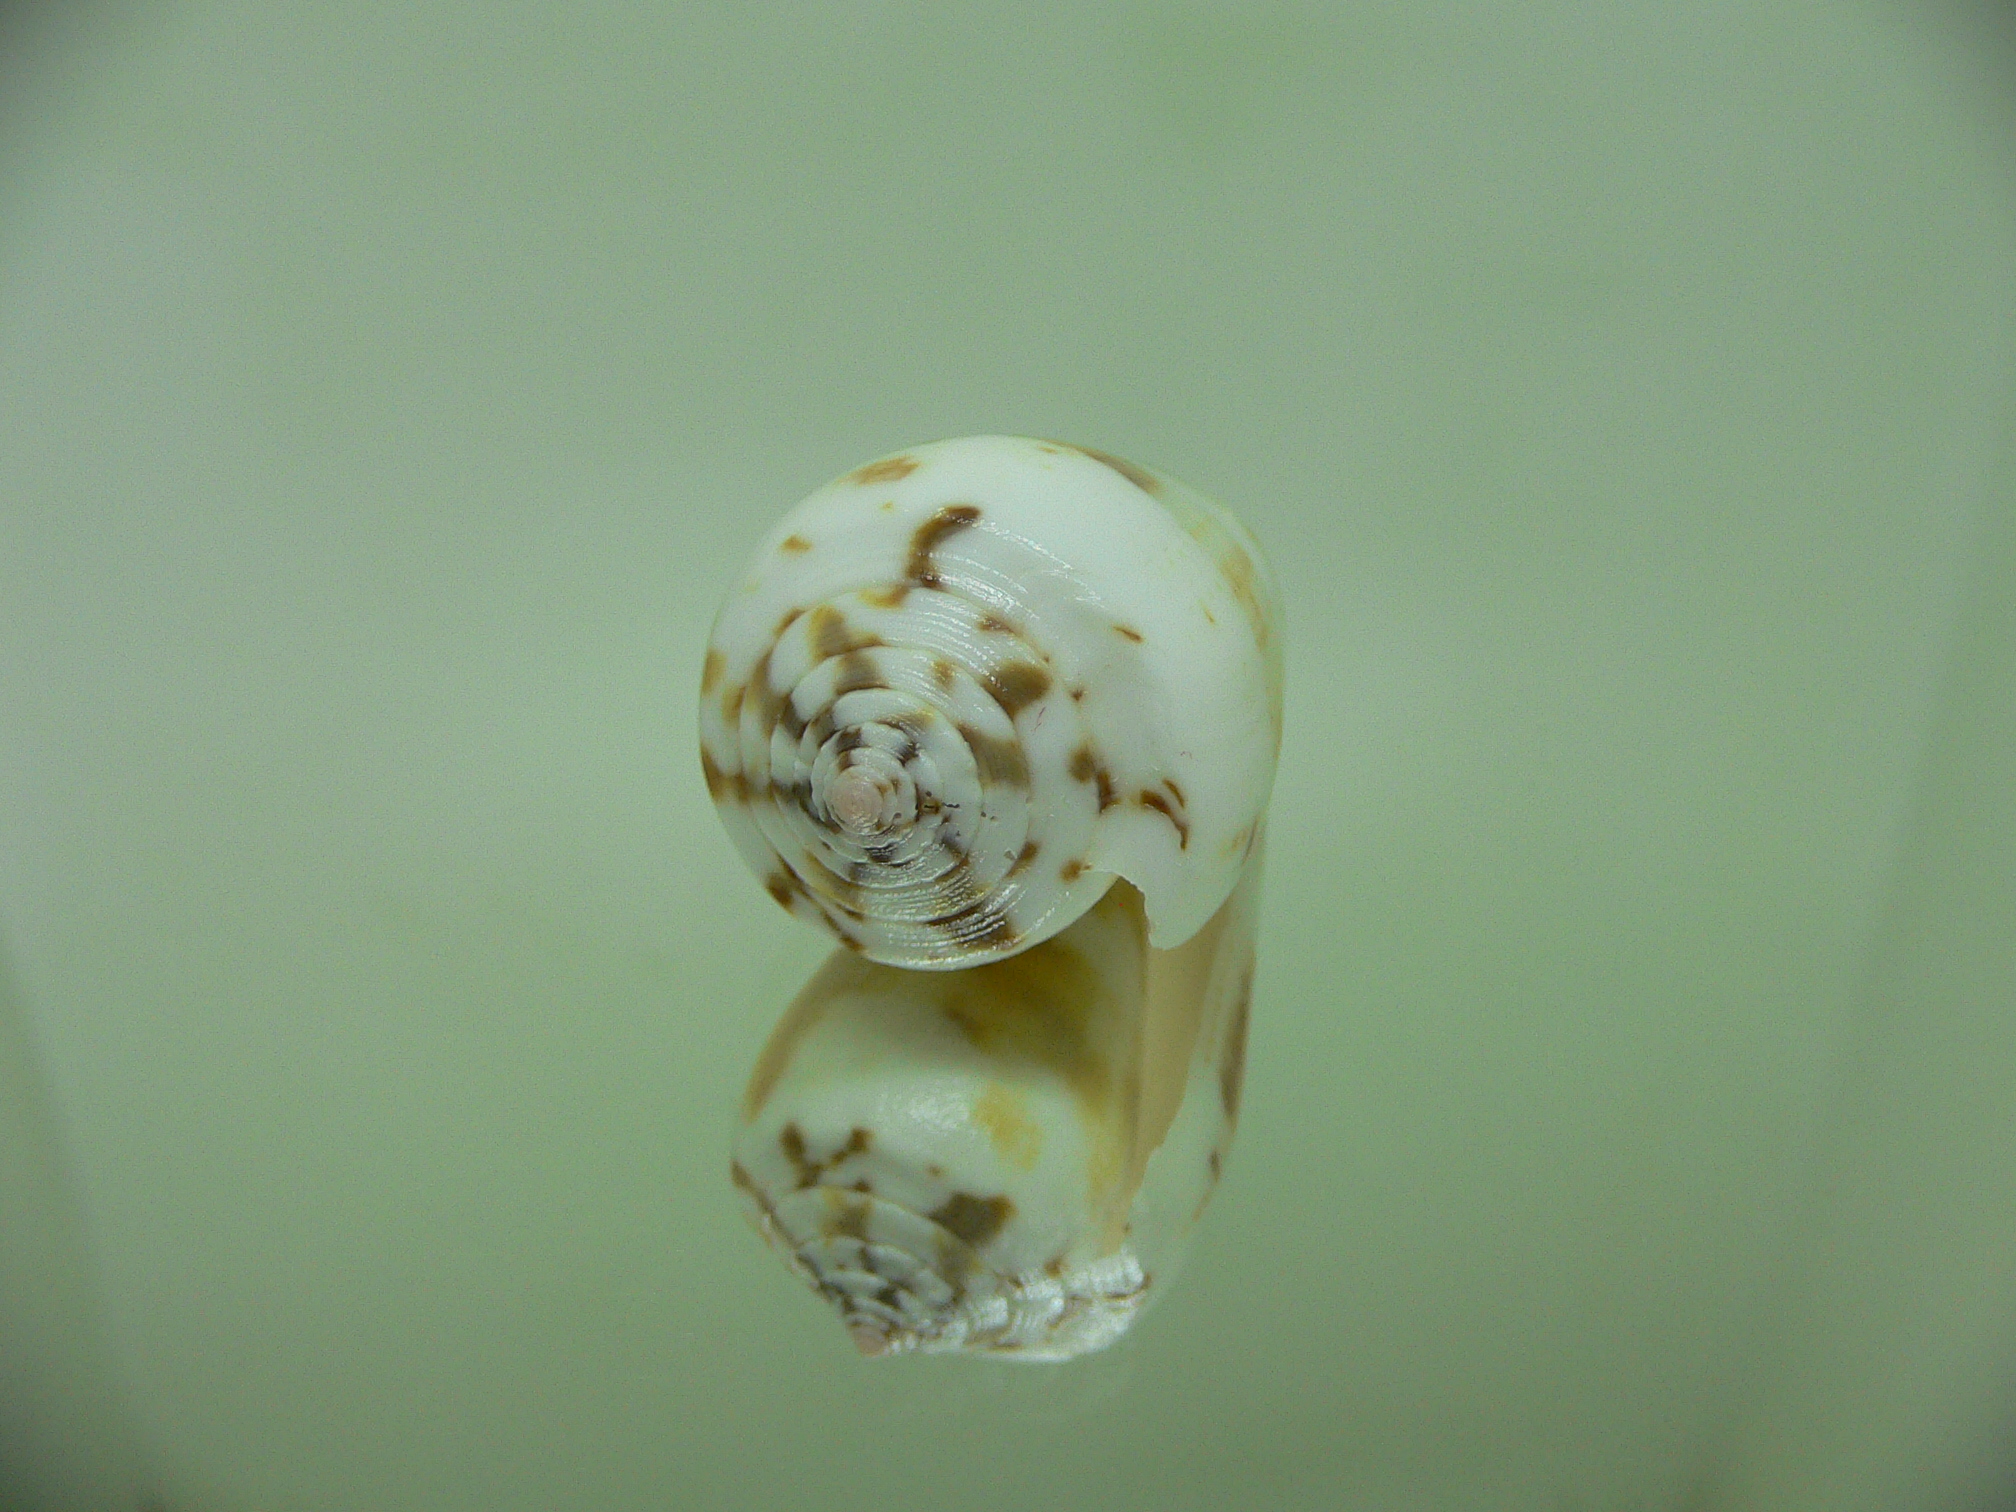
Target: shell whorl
<point>903,1281</point>
<point>959,690</point>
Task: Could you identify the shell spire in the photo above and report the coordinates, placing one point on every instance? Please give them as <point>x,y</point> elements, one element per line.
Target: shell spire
<point>960,690</point>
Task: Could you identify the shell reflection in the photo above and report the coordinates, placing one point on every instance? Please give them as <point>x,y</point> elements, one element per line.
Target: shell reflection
<point>1007,1159</point>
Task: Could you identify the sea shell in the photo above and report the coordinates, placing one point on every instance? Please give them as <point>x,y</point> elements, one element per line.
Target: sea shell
<point>1007,1160</point>
<point>960,690</point>
<point>1003,715</point>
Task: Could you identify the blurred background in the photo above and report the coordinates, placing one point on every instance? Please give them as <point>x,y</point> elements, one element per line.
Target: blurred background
<point>1624,392</point>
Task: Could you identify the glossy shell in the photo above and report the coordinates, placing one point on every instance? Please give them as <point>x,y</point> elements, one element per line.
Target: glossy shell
<point>959,691</point>
<point>1002,715</point>
<point>1007,1160</point>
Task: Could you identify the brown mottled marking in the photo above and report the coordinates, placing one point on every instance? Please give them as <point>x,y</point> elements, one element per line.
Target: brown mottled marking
<point>785,623</point>
<point>787,717</point>
<point>791,1139</point>
<point>722,784</point>
<point>973,1220</point>
<point>710,671</point>
<point>1107,796</point>
<point>1149,799</point>
<point>1077,694</point>
<point>993,624</point>
<point>954,1262</point>
<point>1170,783</point>
<point>850,1221</point>
<point>1016,686</point>
<point>832,636</point>
<point>731,704</point>
<point>767,1225</point>
<point>1140,477</point>
<point>1072,870</point>
<point>888,470</point>
<point>980,922</point>
<point>1022,860</point>
<point>943,674</point>
<point>856,671</point>
<point>867,1188</point>
<point>1240,577</point>
<point>1084,765</point>
<point>1054,1267</point>
<point>794,544</point>
<point>995,930</point>
<point>1131,633</point>
<point>769,702</point>
<point>1003,1115</point>
<point>890,597</point>
<point>933,1169</point>
<point>1217,1165</point>
<point>820,728</point>
<point>920,569</point>
<point>998,761</point>
<point>1232,1063</point>
<point>782,886</point>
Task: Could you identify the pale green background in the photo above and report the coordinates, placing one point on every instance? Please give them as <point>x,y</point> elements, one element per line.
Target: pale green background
<point>386,394</point>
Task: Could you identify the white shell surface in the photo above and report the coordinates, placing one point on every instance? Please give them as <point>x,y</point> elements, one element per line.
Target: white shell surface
<point>1009,1159</point>
<point>960,690</point>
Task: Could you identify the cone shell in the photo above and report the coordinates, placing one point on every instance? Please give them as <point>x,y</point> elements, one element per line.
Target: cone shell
<point>1007,1160</point>
<point>959,691</point>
